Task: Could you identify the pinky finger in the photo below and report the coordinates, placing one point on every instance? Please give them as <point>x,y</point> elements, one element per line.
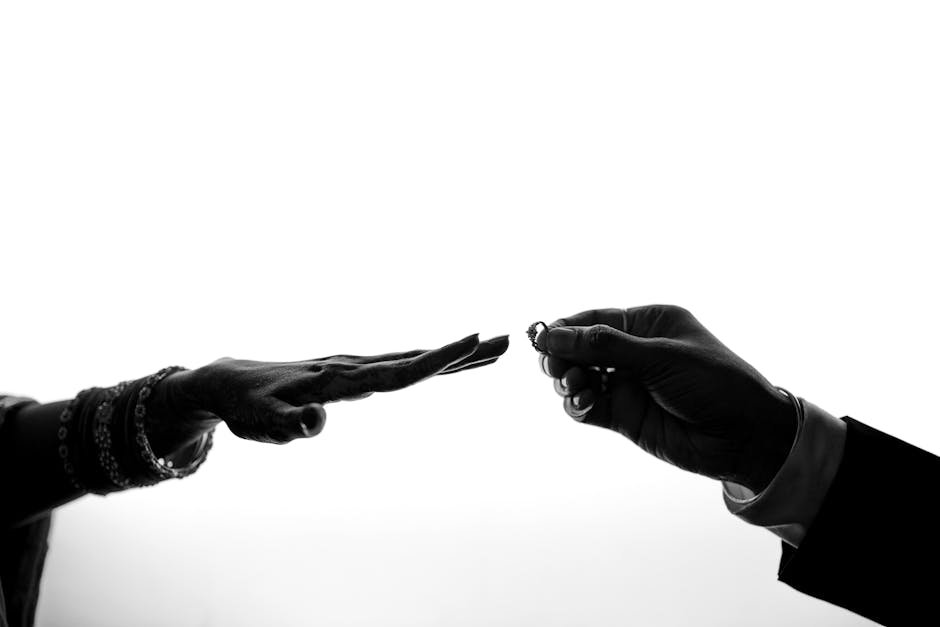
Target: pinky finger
<point>597,413</point>
<point>578,405</point>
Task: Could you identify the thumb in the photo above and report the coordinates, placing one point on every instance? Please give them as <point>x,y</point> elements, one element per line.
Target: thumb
<point>306,421</point>
<point>599,345</point>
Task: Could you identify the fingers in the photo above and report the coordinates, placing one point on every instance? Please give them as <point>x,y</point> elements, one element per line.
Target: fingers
<point>370,359</point>
<point>572,381</point>
<point>278,422</point>
<point>601,345</point>
<point>553,366</point>
<point>646,321</point>
<point>486,353</point>
<point>350,377</point>
<point>309,419</point>
<point>578,385</point>
<point>470,366</point>
<point>599,413</point>
<point>626,408</point>
<point>581,389</point>
<point>614,318</point>
<point>436,361</point>
<point>389,376</point>
<point>579,405</point>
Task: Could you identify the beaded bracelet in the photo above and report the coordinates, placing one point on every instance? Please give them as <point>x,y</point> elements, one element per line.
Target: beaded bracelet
<point>102,436</point>
<point>68,425</point>
<point>123,435</point>
<point>109,425</point>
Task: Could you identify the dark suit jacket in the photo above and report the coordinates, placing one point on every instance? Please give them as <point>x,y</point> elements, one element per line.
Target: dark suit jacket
<point>874,546</point>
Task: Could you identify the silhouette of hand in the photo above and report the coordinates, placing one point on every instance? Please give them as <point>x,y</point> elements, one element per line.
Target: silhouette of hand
<point>657,376</point>
<point>280,401</point>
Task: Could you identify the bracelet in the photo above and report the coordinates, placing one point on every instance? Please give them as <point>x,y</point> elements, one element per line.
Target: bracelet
<point>160,468</point>
<point>102,436</point>
<point>68,425</point>
<point>107,426</point>
<point>798,406</point>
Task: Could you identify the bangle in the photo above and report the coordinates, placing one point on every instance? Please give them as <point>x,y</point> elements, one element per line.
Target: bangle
<point>160,468</point>
<point>125,444</point>
<point>103,440</point>
<point>69,424</point>
<point>798,406</point>
<point>109,426</point>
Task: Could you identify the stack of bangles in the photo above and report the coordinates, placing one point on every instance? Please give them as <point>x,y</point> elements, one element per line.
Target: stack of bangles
<point>103,443</point>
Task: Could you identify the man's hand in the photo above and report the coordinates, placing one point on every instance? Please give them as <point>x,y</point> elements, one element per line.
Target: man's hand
<point>281,401</point>
<point>657,376</point>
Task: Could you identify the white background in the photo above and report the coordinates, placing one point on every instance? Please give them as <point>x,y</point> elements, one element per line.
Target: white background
<point>271,180</point>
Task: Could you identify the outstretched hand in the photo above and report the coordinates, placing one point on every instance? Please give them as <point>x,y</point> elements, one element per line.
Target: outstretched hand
<point>657,376</point>
<point>281,401</point>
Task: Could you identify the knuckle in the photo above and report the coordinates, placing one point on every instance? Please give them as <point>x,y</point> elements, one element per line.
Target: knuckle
<point>599,336</point>
<point>279,435</point>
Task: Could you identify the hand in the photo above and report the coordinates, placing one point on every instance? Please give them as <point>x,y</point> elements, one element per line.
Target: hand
<point>281,401</point>
<point>673,389</point>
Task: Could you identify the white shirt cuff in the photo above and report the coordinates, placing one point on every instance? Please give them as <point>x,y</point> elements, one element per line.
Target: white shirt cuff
<point>789,503</point>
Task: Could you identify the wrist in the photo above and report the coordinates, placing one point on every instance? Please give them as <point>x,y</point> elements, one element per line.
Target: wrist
<point>176,417</point>
<point>790,503</point>
<point>775,432</point>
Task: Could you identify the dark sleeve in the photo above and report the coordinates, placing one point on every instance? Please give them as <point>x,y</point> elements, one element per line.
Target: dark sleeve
<point>22,554</point>
<point>23,550</point>
<point>875,544</point>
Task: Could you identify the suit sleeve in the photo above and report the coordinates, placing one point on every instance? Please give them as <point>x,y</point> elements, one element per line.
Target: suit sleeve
<point>874,545</point>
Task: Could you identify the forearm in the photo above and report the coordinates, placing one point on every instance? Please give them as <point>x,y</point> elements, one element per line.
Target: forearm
<point>32,480</point>
<point>38,474</point>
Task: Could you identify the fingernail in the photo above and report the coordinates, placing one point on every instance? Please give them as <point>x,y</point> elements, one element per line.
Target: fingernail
<point>543,364</point>
<point>584,399</point>
<point>561,339</point>
<point>311,422</point>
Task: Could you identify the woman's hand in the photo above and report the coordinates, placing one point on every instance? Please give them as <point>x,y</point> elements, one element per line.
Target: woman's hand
<point>282,401</point>
<point>657,376</point>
